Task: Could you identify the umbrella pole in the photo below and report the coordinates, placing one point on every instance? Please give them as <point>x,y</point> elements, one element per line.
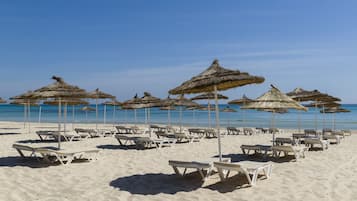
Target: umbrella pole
<point>25,115</point>
<point>334,121</point>
<point>146,116</point>
<point>72,116</point>
<point>113,115</point>
<point>324,117</point>
<point>39,114</point>
<point>59,123</point>
<point>209,114</point>
<point>299,118</point>
<point>29,115</point>
<point>180,119</point>
<point>105,114</point>
<point>243,115</point>
<point>87,116</point>
<point>135,117</point>
<point>273,126</point>
<point>169,117</point>
<point>96,113</point>
<point>315,116</point>
<point>217,124</point>
<point>65,117</point>
<point>194,117</point>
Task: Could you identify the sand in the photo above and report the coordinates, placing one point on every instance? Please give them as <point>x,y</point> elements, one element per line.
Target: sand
<point>121,174</point>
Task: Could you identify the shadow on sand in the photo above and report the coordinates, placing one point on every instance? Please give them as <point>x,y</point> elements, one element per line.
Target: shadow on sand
<point>153,184</point>
<point>13,161</point>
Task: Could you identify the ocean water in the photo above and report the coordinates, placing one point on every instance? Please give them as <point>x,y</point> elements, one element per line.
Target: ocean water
<point>241,118</point>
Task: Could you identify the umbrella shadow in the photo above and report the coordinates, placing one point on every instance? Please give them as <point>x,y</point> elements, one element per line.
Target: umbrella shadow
<point>36,141</point>
<point>153,184</point>
<point>116,147</point>
<point>244,157</point>
<point>13,161</point>
<point>238,181</point>
<point>9,133</point>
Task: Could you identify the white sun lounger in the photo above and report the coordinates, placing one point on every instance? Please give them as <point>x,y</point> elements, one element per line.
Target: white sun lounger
<point>250,169</point>
<point>298,151</point>
<point>313,141</point>
<point>203,167</point>
<point>50,154</point>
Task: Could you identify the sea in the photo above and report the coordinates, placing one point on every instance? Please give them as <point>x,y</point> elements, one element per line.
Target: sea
<point>241,118</point>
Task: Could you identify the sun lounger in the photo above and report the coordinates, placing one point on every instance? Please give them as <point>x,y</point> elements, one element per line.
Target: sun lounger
<point>297,151</point>
<point>316,141</point>
<point>125,140</point>
<point>210,133</point>
<point>45,135</point>
<point>284,140</point>
<point>258,149</point>
<point>250,169</point>
<point>248,131</point>
<point>332,138</point>
<point>87,133</point>
<point>347,132</point>
<point>233,131</point>
<point>144,142</point>
<point>203,167</point>
<point>52,154</point>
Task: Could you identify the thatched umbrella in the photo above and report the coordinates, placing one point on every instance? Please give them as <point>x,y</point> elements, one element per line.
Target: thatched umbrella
<point>26,99</point>
<point>213,79</point>
<point>27,109</point>
<point>97,94</point>
<point>334,110</point>
<point>112,103</point>
<point>134,104</point>
<point>274,100</point>
<point>209,96</point>
<point>240,102</point>
<point>68,101</point>
<point>230,110</point>
<point>168,108</point>
<point>87,109</point>
<point>2,101</point>
<point>59,90</point>
<point>181,102</point>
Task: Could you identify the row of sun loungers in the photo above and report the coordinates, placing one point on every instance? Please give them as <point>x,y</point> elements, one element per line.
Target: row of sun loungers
<point>52,155</point>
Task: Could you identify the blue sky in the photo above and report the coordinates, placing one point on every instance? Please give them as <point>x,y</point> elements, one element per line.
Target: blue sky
<point>128,47</point>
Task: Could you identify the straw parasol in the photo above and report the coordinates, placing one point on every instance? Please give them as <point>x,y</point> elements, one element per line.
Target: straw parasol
<point>112,103</point>
<point>168,108</point>
<point>334,110</point>
<point>209,96</point>
<point>274,100</point>
<point>26,99</point>
<point>241,101</point>
<point>97,94</point>
<point>216,78</point>
<point>59,90</point>
<point>134,104</point>
<point>2,101</point>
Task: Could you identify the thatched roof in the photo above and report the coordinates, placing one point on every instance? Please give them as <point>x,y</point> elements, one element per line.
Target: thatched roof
<point>168,108</point>
<point>2,100</point>
<point>323,104</point>
<point>146,101</point>
<point>208,96</point>
<point>302,95</point>
<point>97,94</point>
<point>274,99</point>
<point>228,109</point>
<point>217,76</point>
<point>24,102</point>
<point>182,101</point>
<point>112,102</point>
<point>67,101</point>
<point>25,96</point>
<point>86,108</point>
<point>240,101</point>
<point>59,89</point>
<point>334,110</point>
<point>280,111</point>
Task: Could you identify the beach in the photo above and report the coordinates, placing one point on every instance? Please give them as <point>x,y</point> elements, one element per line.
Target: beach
<point>130,174</point>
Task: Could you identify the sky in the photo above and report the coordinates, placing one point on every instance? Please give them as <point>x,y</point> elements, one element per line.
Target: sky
<point>128,47</point>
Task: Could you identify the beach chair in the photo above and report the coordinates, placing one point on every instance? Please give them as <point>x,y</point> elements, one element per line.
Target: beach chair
<point>125,140</point>
<point>21,149</point>
<point>66,157</point>
<point>232,131</point>
<point>347,132</point>
<point>204,168</point>
<point>248,131</point>
<point>310,142</point>
<point>332,138</point>
<point>45,135</point>
<point>257,149</point>
<point>147,142</point>
<point>251,170</point>
<point>69,137</point>
<point>297,151</point>
<point>210,133</point>
<point>284,140</point>
<point>87,132</point>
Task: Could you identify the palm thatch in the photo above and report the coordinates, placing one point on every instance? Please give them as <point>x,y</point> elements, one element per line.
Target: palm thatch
<point>97,94</point>
<point>24,102</point>
<point>25,96</point>
<point>168,108</point>
<point>228,109</point>
<point>335,110</point>
<point>2,100</point>
<point>323,104</point>
<point>209,96</point>
<point>240,101</point>
<point>67,101</point>
<point>59,89</point>
<point>274,99</point>
<point>216,76</point>
<point>302,95</point>
<point>112,103</point>
<point>86,108</point>
<point>182,101</point>
<point>280,111</point>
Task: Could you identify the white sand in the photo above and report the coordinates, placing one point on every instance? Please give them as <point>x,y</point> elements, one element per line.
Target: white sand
<point>120,174</point>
